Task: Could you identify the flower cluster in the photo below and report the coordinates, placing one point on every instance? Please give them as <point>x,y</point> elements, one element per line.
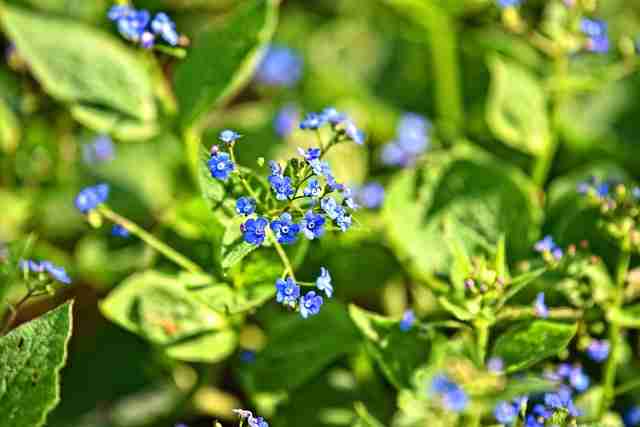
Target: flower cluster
<point>251,420</point>
<point>549,249</point>
<point>451,395</point>
<point>286,120</point>
<point>288,293</point>
<point>90,197</point>
<point>571,376</point>
<point>280,66</point>
<point>370,195</point>
<point>99,150</point>
<point>506,412</point>
<point>412,139</point>
<point>53,271</point>
<point>596,32</point>
<point>137,26</point>
<point>340,122</point>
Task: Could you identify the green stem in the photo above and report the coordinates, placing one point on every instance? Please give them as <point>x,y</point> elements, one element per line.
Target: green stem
<point>519,313</point>
<point>627,387</point>
<point>13,312</point>
<point>149,239</point>
<point>244,182</point>
<point>288,268</point>
<point>192,141</point>
<point>482,339</point>
<point>615,333</point>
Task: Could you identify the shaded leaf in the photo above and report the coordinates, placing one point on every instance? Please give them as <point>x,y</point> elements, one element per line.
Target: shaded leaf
<point>206,348</point>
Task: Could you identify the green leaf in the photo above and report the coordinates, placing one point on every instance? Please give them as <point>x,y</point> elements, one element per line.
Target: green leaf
<point>628,317</point>
<point>113,123</point>
<point>221,297</point>
<point>516,109</point>
<point>234,248</point>
<point>222,59</point>
<point>158,307</point>
<point>211,188</point>
<point>78,64</point>
<point>207,348</point>
<point>31,357</point>
<point>398,353</point>
<point>530,342</point>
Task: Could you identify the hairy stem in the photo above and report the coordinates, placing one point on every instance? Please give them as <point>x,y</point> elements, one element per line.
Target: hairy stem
<point>149,239</point>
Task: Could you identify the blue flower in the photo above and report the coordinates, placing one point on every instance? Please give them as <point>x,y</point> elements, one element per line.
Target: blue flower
<point>393,155</point>
<point>505,412</point>
<point>99,150</point>
<point>333,116</point>
<point>312,225</point>
<point>310,304</point>
<point>280,66</point>
<point>310,154</point>
<point>540,307</point>
<point>333,184</point>
<point>119,11</point>
<point>349,200</point>
<point>312,121</point>
<point>407,321</point>
<point>495,365</point>
<point>282,186</point>
<point>243,413</point>
<point>354,134</point>
<point>245,206</point>
<point>132,25</point>
<point>509,3</point>
<point>344,222</point>
<point>313,189</point>
<point>453,397</point>
<point>602,189</point>
<point>221,166</point>
<point>254,230</point>
<point>321,168</point>
<point>413,133</point>
<point>247,356</point>
<point>597,35</point>
<point>276,169</point>
<point>578,379</point>
<point>323,282</point>
<point>287,292</point>
<point>598,350</point>
<point>331,207</point>
<point>55,272</point>
<point>163,26</point>
<point>257,422</point>
<point>285,229</point>
<point>119,231</point>
<point>545,245</point>
<point>561,400</point>
<point>285,121</point>
<point>90,197</point>
<point>370,195</point>
<point>229,136</point>
<point>632,416</point>
<point>147,40</point>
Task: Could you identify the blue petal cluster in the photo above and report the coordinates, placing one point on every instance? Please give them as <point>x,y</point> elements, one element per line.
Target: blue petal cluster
<point>286,120</point>
<point>99,150</point>
<point>90,197</point>
<point>412,139</point>
<point>598,350</point>
<point>370,195</point>
<point>138,27</point>
<point>312,225</point>
<point>597,35</point>
<point>506,412</point>
<point>285,230</point>
<point>548,246</point>
<point>338,121</point>
<point>254,230</point>
<point>281,66</point>
<point>310,304</point>
<point>119,231</point>
<point>453,398</point>
<point>539,307</point>
<point>229,136</point>
<point>287,292</point>
<point>632,416</point>
<point>251,420</point>
<point>407,321</point>
<point>245,206</point>
<point>221,166</point>
<point>55,272</point>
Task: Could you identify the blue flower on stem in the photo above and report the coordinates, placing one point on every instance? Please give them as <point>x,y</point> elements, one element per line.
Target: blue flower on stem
<point>393,155</point>
<point>333,116</point>
<point>313,189</point>
<point>287,292</point>
<point>452,396</point>
<point>310,154</point>
<point>132,25</point>
<point>323,282</point>
<point>597,34</point>
<point>333,184</point>
<point>310,304</point>
<point>285,121</point>
<point>285,229</point>
<point>163,26</point>
<point>349,199</point>
<point>119,231</point>
<point>221,166</point>
<point>407,321</point>
<point>354,134</point>
<point>371,195</point>
<point>331,207</point>
<point>312,121</point>
<point>321,168</point>
<point>254,230</point>
<point>344,222</point>
<point>632,416</point>
<point>561,400</point>
<point>101,149</point>
<point>280,66</point>
<point>245,206</point>
<point>281,186</point>
<point>312,225</point>
<point>275,167</point>
<point>55,272</point>
<point>539,307</point>
<point>229,136</point>
<point>90,197</point>
<point>548,246</point>
<point>257,422</point>
<point>119,11</point>
<point>598,350</point>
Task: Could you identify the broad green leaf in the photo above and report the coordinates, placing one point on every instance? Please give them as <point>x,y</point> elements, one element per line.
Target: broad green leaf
<point>158,307</point>
<point>221,297</point>
<point>398,353</point>
<point>298,349</point>
<point>530,342</point>
<point>211,188</point>
<point>113,123</point>
<point>222,59</point>
<point>461,195</point>
<point>206,348</point>
<point>628,317</point>
<point>516,109</point>
<point>31,357</point>
<point>78,64</point>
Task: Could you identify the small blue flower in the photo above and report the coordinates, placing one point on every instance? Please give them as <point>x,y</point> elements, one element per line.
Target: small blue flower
<point>310,304</point>
<point>578,379</point>
<point>257,422</point>
<point>119,231</point>
<point>331,207</point>
<point>90,197</point>
<point>597,35</point>
<point>509,3</point>
<point>313,189</point>
<point>118,12</point>
<point>370,195</point>
<point>55,272</point>
<point>275,167</point>
<point>282,186</point>
<point>453,397</point>
<point>247,356</point>
<point>505,412</point>
<point>245,206</point>
<point>632,416</point>
<point>354,134</point>
<point>132,25</point>
<point>540,307</point>
<point>229,136</point>
<point>344,222</point>
<point>602,189</point>
<point>598,350</point>
<point>285,121</point>
<point>349,199</point>
<point>280,66</point>
<point>407,321</point>
<point>287,292</point>
<point>312,121</point>
<point>561,400</point>
<point>147,40</point>
<point>310,154</point>
<point>333,184</point>
<point>545,245</point>
<point>312,225</point>
<point>333,116</point>
<point>323,282</point>
<point>495,365</point>
<point>254,230</point>
<point>163,26</point>
<point>100,150</point>
<point>393,155</point>
<point>285,229</point>
<point>413,134</point>
<point>221,166</point>
<point>321,168</point>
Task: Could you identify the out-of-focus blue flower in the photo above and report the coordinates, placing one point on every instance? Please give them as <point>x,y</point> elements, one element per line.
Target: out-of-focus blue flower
<point>495,365</point>
<point>509,3</point>
<point>281,185</point>
<point>333,116</point>
<point>119,11</point>
<point>312,121</point>
<point>287,292</point>
<point>349,199</point>
<point>407,321</point>
<point>331,207</point>
<point>393,155</point>
<point>323,282</point>
<point>313,189</point>
<point>280,66</point>
<point>119,231</point>
<point>100,150</point>
<point>453,397</point>
<point>221,166</point>
<point>539,307</point>
<point>370,195</point>
<point>245,206</point>
<point>545,245</point>
<point>163,26</point>
<point>413,133</point>
<point>132,25</point>
<point>597,35</point>
<point>505,412</point>
<point>275,167</point>
<point>354,133</point>
<point>578,379</point>
<point>90,197</point>
<point>312,225</point>
<point>332,183</point>
<point>254,230</point>
<point>55,272</point>
<point>598,350</point>
<point>247,356</point>
<point>229,136</point>
<point>632,416</point>
<point>310,304</point>
<point>285,121</point>
<point>257,422</point>
<point>561,400</point>
<point>285,229</point>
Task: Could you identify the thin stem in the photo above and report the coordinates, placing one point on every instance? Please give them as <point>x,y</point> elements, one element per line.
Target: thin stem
<point>13,312</point>
<point>615,333</point>
<point>519,313</point>
<point>288,268</point>
<point>192,145</point>
<point>150,240</point>
<point>627,387</point>
<point>482,339</point>
<point>244,182</point>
